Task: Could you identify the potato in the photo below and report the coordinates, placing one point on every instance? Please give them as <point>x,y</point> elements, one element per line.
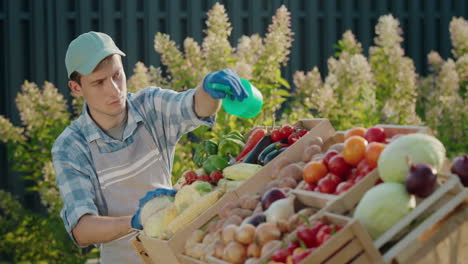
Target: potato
<point>228,233</point>
<point>287,182</point>
<point>314,141</point>
<point>196,237</point>
<point>310,151</point>
<point>253,251</point>
<point>225,211</point>
<point>278,165</point>
<point>249,201</point>
<point>243,213</point>
<point>293,170</point>
<point>234,252</point>
<point>338,147</point>
<point>234,220</point>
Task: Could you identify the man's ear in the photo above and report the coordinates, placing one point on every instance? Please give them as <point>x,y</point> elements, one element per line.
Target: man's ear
<point>75,88</point>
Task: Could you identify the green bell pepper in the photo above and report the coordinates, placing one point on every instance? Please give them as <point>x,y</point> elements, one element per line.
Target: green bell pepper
<point>235,135</point>
<point>229,147</point>
<point>203,150</point>
<point>214,163</point>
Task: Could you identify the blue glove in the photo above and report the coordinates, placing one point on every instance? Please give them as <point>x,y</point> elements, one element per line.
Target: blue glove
<point>136,222</point>
<point>222,83</point>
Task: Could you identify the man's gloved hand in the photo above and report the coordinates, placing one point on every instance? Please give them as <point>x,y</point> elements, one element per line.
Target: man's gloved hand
<point>214,82</point>
<point>136,222</point>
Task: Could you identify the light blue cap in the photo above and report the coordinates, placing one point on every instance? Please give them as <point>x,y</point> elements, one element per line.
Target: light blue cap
<point>87,50</point>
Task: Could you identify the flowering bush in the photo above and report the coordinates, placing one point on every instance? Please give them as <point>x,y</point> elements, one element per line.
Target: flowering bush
<point>442,102</point>
<point>358,91</point>
<point>44,115</point>
<point>256,59</point>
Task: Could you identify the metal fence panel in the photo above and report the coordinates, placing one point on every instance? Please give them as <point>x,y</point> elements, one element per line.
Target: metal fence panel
<point>35,34</point>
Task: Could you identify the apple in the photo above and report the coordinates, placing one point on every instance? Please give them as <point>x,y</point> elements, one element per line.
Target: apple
<point>375,134</point>
<point>327,184</point>
<point>338,166</point>
<point>328,156</point>
<point>343,186</point>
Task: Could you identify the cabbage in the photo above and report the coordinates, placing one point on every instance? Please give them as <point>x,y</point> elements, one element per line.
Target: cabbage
<point>420,148</point>
<point>382,207</point>
<point>191,193</point>
<point>154,205</point>
<point>157,222</point>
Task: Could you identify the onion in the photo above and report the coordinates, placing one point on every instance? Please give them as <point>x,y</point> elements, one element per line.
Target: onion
<point>280,210</point>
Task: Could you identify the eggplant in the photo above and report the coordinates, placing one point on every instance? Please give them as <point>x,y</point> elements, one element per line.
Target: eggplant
<point>273,155</point>
<point>252,157</point>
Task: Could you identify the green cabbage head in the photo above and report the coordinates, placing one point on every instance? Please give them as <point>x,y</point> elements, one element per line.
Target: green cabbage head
<point>382,207</point>
<point>418,148</point>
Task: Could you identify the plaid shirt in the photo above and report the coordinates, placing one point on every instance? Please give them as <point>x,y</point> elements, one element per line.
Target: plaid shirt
<point>167,115</point>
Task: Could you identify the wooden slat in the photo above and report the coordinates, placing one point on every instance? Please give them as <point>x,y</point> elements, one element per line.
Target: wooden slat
<point>405,221</point>
<point>347,253</point>
<point>434,218</point>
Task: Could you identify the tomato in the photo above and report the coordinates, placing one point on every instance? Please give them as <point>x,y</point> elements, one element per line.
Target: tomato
<point>355,131</point>
<point>301,256</point>
<point>354,149</point>
<point>293,138</point>
<point>286,131</point>
<point>215,176</point>
<point>372,153</point>
<point>324,234</point>
<point>276,135</point>
<point>314,171</point>
<point>308,235</point>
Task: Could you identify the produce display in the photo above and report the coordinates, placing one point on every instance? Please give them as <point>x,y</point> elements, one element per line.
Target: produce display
<point>272,223</point>
<point>343,164</point>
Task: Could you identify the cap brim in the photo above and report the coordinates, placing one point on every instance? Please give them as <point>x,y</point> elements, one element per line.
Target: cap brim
<point>89,67</point>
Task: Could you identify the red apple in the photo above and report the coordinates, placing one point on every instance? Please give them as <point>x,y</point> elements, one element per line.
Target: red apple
<point>375,134</point>
<point>328,156</point>
<point>338,166</point>
<point>327,184</point>
<point>343,186</point>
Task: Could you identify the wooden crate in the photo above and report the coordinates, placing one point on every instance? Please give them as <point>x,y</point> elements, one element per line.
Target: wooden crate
<point>169,251</point>
<point>317,128</point>
<point>347,199</point>
<point>448,196</point>
<point>352,244</point>
<point>434,208</point>
<point>153,250</point>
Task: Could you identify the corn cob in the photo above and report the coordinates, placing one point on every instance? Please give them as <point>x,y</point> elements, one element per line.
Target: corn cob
<point>189,214</point>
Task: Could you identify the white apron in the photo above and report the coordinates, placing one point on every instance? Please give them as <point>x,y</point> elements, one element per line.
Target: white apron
<point>124,177</point>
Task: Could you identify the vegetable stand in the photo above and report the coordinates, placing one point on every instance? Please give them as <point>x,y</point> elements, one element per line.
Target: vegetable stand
<point>432,233</point>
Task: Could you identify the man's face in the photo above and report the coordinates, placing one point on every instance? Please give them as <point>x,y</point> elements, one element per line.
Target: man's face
<point>105,90</point>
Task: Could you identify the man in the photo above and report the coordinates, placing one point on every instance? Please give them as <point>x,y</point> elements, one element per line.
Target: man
<point>122,146</point>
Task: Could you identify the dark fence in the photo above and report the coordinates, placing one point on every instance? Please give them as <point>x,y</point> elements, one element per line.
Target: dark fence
<point>35,34</point>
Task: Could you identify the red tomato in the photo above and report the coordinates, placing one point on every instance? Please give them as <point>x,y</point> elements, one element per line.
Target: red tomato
<point>286,130</point>
<point>276,135</point>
